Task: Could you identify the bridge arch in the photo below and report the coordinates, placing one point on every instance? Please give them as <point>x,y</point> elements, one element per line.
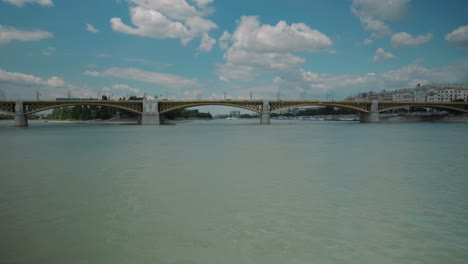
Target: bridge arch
<point>359,107</point>
<point>168,106</point>
<point>31,107</point>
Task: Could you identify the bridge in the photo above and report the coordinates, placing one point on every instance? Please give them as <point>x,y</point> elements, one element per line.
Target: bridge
<point>149,111</point>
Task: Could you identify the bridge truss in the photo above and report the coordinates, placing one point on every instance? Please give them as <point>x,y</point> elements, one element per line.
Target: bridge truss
<point>31,107</point>
<point>168,106</point>
<point>165,106</point>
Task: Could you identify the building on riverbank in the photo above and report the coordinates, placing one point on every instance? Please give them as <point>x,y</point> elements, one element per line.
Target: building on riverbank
<point>421,93</point>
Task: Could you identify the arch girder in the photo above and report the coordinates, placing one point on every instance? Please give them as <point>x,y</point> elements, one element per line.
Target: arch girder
<point>168,106</point>
<point>34,107</point>
<point>8,107</point>
<point>363,107</point>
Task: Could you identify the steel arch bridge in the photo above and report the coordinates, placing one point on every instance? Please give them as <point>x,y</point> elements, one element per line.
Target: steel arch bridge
<point>31,107</point>
<point>151,109</point>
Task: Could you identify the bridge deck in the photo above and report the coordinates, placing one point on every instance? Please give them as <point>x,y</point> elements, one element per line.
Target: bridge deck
<point>164,106</point>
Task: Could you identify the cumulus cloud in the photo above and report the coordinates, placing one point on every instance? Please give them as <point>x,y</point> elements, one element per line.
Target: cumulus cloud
<point>24,86</point>
<point>250,35</point>
<point>135,74</point>
<point>55,82</point>
<point>344,84</point>
<point>207,43</point>
<point>404,39</point>
<point>9,34</point>
<point>91,28</point>
<point>373,13</point>
<point>254,48</point>
<point>20,78</point>
<point>202,3</point>
<point>458,37</point>
<point>168,19</point>
<point>224,40</point>
<point>378,28</point>
<point>381,9</point>
<point>382,55</point>
<point>28,79</point>
<point>21,3</point>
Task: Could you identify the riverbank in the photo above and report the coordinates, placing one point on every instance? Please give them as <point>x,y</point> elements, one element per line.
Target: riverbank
<point>424,117</point>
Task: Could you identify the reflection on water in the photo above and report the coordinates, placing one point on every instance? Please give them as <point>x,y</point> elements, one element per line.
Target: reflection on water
<point>233,191</point>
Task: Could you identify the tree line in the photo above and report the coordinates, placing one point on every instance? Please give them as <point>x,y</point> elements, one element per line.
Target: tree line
<point>83,112</point>
<point>327,110</point>
<point>103,112</point>
<point>187,114</point>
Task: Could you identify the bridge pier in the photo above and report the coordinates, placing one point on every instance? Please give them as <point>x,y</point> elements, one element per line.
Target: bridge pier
<point>373,116</point>
<point>150,114</point>
<point>265,116</point>
<point>20,118</point>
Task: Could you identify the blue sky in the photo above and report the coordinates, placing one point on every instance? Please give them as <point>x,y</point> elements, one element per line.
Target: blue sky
<point>297,48</point>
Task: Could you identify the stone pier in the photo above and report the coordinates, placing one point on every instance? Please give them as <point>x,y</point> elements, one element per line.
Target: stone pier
<point>373,116</point>
<point>20,118</point>
<point>265,117</point>
<point>150,114</point>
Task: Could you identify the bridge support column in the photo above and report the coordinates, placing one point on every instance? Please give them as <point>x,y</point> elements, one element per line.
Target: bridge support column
<point>373,116</point>
<point>265,117</point>
<point>150,115</point>
<point>20,118</point>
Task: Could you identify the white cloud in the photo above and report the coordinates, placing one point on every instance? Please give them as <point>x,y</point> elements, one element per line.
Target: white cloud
<point>49,51</point>
<point>28,79</point>
<point>168,19</point>
<point>174,9</point>
<point>381,9</point>
<point>55,82</point>
<point>19,78</point>
<point>458,37</point>
<point>202,3</point>
<point>368,41</point>
<point>224,40</point>
<point>255,49</point>
<point>407,76</point>
<point>250,35</point>
<point>373,13</point>
<point>379,28</point>
<point>24,86</point>
<point>91,28</point>
<point>21,3</point>
<point>8,34</point>
<point>207,43</point>
<point>135,74</point>
<point>125,87</point>
<point>91,73</point>
<point>404,39</point>
<point>382,55</point>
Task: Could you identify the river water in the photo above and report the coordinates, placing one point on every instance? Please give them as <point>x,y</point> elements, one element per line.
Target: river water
<point>234,192</point>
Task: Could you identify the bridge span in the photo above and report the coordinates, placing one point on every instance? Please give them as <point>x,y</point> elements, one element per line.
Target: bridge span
<point>149,111</point>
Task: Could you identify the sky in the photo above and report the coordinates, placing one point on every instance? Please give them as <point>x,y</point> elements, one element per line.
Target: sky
<point>184,49</point>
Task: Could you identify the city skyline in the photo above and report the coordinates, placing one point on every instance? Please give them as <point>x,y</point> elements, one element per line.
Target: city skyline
<point>206,48</point>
